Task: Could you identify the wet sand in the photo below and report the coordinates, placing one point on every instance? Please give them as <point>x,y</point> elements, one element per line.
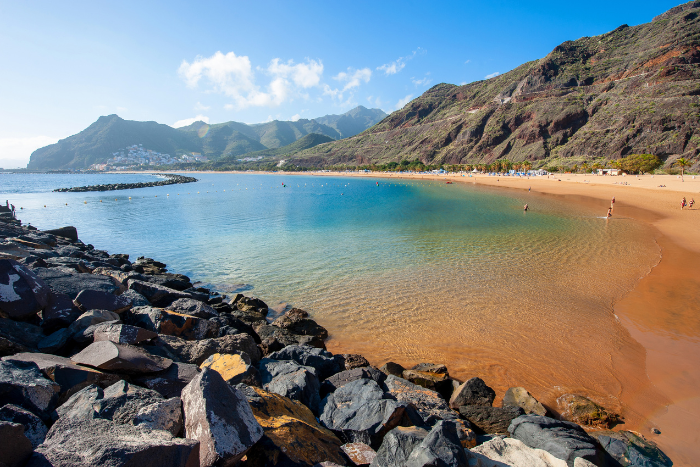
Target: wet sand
<point>661,313</point>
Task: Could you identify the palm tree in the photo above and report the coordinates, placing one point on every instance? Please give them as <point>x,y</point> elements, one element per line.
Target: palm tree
<point>527,165</point>
<point>682,162</point>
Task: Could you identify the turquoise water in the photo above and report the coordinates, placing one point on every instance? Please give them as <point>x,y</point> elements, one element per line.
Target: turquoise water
<point>396,269</point>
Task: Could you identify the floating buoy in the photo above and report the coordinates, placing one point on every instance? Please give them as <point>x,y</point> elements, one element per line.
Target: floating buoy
<point>66,204</point>
<point>100,202</point>
<point>44,205</point>
<point>84,202</point>
<point>115,199</point>
<point>129,197</point>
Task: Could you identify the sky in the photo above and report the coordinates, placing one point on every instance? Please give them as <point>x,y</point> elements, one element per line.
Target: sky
<point>64,64</point>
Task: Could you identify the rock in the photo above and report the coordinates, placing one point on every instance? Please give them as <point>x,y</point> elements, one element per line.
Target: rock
<point>428,403</point>
<point>90,318</point>
<point>187,306</point>
<point>391,368</point>
<point>60,312</point>
<point>490,419</point>
<point>109,356</point>
<point>631,449</point>
<point>22,384</point>
<point>296,321</point>
<point>582,410</point>
<point>69,232</point>
<point>169,383</point>
<point>563,440</point>
<point>508,451</point>
<point>472,392</point>
<point>34,428</point>
<point>18,337</point>
<point>284,336</point>
<point>398,445</point>
<point>234,368</point>
<point>22,293</point>
<point>309,356</point>
<point>15,448</point>
<point>70,377</point>
<point>519,397</point>
<point>120,402</point>
<point>77,264</point>
<point>55,342</point>
<point>437,368</point>
<point>359,453</point>
<point>220,418</point>
<point>292,436</point>
<point>360,412</point>
<point>289,379</point>
<point>156,294</point>
<point>69,282</point>
<point>350,361</point>
<point>196,352</point>
<point>269,345</point>
<point>122,333</point>
<point>172,281</point>
<point>172,323</point>
<point>77,442</point>
<point>441,447</point>
<point>347,376</point>
<point>149,266</point>
<point>136,298</point>
<point>439,382</point>
<point>99,300</point>
<point>162,415</point>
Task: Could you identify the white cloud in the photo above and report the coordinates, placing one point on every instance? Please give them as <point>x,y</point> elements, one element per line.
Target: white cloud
<point>234,77</point>
<point>492,75</point>
<point>421,82</point>
<point>462,83</point>
<point>295,117</point>
<point>467,62</point>
<point>200,106</point>
<point>190,121</point>
<point>15,152</point>
<point>399,64</point>
<point>402,102</point>
<point>353,78</point>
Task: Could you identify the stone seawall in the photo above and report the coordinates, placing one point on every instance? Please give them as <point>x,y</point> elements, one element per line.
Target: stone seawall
<point>171,180</point>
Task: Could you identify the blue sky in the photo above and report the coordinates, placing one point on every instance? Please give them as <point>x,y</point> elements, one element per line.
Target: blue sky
<point>67,63</point>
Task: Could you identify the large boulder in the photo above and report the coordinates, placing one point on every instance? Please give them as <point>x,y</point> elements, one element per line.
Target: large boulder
<point>281,335</point>
<point>493,420</point>
<point>582,410</point>
<point>290,379</point>
<point>170,382</point>
<point>158,295</point>
<point>292,436</point>
<point>297,321</point>
<point>564,440</point>
<point>220,418</point>
<point>519,397</point>
<point>100,300</point>
<point>22,384</point>
<point>398,445</point>
<point>344,377</point>
<point>235,368</point>
<point>309,356</point>
<point>80,442</point>
<point>361,412</point>
<point>498,452</point>
<point>472,392</point>
<point>34,428</point>
<point>90,318</point>
<point>16,336</point>
<point>631,449</point>
<point>440,447</point>
<point>22,293</point>
<point>429,404</point>
<point>15,447</point>
<point>349,361</point>
<point>60,312</point>
<point>231,325</point>
<point>55,342</point>
<point>69,282</point>
<point>391,368</point>
<point>106,355</point>
<point>196,352</point>
<point>69,376</point>
<point>122,333</point>
<point>172,323</point>
<point>69,232</point>
<point>136,298</point>
<point>188,306</point>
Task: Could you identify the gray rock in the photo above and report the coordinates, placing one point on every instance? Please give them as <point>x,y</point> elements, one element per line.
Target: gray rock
<point>430,406</point>
<point>34,428</point>
<point>564,440</point>
<point>235,368</point>
<point>360,412</point>
<point>500,451</point>
<point>631,449</point>
<point>99,300</point>
<point>122,333</point>
<point>472,392</point>
<point>69,376</point>
<point>348,361</point>
<point>15,448</point>
<point>22,293</point>
<point>519,397</point>
<point>347,376</point>
<point>297,322</point>
<point>309,356</point>
<point>169,383</point>
<point>192,307</point>
<point>17,337</point>
<point>69,232</point>
<point>163,415</point>
<point>441,447</point>
<point>79,265</point>
<point>87,336</point>
<point>156,294</point>
<point>136,298</point>
<point>69,282</point>
<point>172,323</point>
<point>493,420</point>
<point>60,312</point>
<point>22,384</point>
<point>220,418</point>
<point>55,342</point>
<point>391,368</point>
<point>78,442</point>
<point>89,318</point>
<point>398,445</point>
<point>196,352</point>
<point>289,379</point>
<point>106,355</point>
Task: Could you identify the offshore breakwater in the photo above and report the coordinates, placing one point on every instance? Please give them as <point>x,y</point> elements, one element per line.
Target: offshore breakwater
<point>170,179</point>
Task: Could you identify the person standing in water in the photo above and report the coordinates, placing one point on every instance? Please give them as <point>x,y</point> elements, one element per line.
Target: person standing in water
<point>525,208</point>
<point>609,212</point>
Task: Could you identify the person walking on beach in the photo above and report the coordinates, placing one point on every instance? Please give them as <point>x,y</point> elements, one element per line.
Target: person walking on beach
<point>683,203</point>
<point>609,213</point>
<point>613,200</point>
<point>690,205</point>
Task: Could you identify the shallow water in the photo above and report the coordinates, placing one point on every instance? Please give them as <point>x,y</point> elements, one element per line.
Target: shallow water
<point>406,271</point>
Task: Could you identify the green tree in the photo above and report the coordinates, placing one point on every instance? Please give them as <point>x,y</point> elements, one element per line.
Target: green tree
<point>683,163</point>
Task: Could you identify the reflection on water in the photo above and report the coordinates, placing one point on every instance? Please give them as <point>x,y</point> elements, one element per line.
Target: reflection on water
<point>406,271</point>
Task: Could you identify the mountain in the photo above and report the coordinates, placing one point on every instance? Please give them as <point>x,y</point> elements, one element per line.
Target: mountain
<point>632,90</point>
<point>97,143</point>
<point>306,142</point>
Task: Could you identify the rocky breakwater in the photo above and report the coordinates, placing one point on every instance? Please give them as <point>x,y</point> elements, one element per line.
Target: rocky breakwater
<point>170,180</point>
<point>105,361</point>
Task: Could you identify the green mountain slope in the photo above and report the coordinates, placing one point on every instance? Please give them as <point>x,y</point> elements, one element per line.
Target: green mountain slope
<point>632,90</point>
<point>306,142</point>
<point>354,121</point>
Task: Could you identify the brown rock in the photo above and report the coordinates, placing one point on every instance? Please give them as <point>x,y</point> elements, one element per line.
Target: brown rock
<point>472,392</point>
<point>173,324</point>
<point>234,368</point>
<point>122,334</point>
<point>519,397</point>
<point>391,368</point>
<point>15,447</point>
<point>359,453</point>
<point>351,361</point>
<point>582,410</point>
<point>196,352</point>
<point>109,356</point>
<point>96,299</point>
